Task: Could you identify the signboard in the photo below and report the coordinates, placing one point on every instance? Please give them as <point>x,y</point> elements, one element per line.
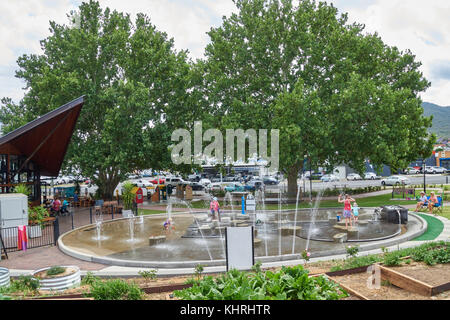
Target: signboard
<point>250,204</point>
<point>239,248</point>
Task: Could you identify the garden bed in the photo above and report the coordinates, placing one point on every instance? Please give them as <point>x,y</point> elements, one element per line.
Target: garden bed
<point>357,282</point>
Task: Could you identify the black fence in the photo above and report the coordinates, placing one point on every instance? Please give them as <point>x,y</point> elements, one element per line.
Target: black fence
<point>38,236</point>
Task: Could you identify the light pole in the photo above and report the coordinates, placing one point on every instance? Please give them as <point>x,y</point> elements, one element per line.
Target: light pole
<point>424,172</point>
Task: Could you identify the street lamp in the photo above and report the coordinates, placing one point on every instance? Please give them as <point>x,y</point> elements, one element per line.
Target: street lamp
<point>424,172</point>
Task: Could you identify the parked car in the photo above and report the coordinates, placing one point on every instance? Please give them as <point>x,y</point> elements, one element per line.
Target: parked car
<point>194,177</point>
<point>196,186</point>
<point>174,181</point>
<point>141,183</point>
<point>435,169</point>
<point>270,181</point>
<point>158,181</point>
<point>371,176</point>
<point>205,182</point>
<point>394,181</point>
<point>353,176</point>
<point>253,185</point>
<point>412,170</point>
<point>329,178</point>
<point>234,187</point>
<point>215,186</point>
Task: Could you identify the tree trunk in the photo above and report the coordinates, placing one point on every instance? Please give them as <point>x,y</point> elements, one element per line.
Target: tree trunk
<point>292,182</point>
<point>106,186</point>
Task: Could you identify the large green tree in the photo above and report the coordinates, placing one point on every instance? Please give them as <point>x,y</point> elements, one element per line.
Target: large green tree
<point>137,88</point>
<point>336,93</point>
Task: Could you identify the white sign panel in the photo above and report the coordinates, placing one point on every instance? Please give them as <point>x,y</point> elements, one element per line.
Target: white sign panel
<point>251,205</point>
<point>239,243</point>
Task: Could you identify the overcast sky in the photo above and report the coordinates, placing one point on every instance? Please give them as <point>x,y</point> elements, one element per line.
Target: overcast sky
<point>421,26</point>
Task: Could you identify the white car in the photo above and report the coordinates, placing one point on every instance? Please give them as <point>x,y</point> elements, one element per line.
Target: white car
<point>411,170</point>
<point>141,183</point>
<point>174,181</point>
<point>329,178</point>
<point>216,186</point>
<point>394,181</point>
<point>370,176</point>
<point>354,176</point>
<point>435,169</point>
<point>205,182</point>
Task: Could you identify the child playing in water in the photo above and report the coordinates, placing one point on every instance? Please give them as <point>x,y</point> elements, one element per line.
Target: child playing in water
<point>347,209</point>
<point>355,210</point>
<point>214,207</point>
<point>168,224</point>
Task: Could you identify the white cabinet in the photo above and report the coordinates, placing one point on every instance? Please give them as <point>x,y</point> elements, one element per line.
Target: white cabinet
<point>13,210</point>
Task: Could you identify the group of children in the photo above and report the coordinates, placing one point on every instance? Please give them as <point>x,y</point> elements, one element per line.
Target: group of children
<point>351,212</point>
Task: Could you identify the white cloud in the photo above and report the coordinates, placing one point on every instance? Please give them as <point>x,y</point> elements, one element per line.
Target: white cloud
<point>420,26</point>
<point>423,27</point>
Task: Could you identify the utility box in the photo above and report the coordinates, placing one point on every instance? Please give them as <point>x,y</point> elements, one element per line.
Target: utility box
<point>13,210</point>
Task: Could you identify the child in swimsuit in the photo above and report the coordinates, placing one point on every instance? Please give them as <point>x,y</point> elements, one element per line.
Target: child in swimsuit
<point>347,209</point>
<point>355,210</point>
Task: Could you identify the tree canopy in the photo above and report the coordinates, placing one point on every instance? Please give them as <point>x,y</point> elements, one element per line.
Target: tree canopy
<point>337,94</point>
<point>135,85</point>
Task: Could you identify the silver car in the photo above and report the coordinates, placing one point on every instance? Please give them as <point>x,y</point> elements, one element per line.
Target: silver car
<point>394,181</point>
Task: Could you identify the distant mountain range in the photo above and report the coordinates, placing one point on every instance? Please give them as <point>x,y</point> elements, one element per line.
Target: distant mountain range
<point>441,119</point>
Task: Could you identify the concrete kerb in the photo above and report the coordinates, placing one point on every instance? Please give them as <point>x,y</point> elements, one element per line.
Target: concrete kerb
<point>221,262</point>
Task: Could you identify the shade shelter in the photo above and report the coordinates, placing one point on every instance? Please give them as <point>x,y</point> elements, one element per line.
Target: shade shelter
<point>37,148</point>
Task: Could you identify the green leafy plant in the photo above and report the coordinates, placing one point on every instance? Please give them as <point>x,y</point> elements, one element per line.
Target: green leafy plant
<point>24,284</point>
<point>392,259</point>
<point>89,279</point>
<point>306,255</point>
<point>22,188</point>
<point>128,195</point>
<point>37,215</point>
<point>53,271</point>
<point>290,283</point>
<point>116,289</point>
<point>199,270</point>
<point>257,267</point>
<point>352,251</point>
<point>148,275</point>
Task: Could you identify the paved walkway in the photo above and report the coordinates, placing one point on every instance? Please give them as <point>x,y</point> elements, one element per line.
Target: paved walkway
<point>24,262</point>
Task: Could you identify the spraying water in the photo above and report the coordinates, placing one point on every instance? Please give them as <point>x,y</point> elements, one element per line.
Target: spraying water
<point>198,227</point>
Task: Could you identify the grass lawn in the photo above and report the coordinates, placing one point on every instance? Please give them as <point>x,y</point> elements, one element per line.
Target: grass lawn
<point>445,212</point>
<point>146,212</point>
<point>374,201</point>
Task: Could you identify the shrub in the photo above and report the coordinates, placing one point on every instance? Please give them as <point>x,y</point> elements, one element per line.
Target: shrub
<point>116,289</point>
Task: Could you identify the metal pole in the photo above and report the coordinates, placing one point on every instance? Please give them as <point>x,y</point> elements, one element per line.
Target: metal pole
<point>90,214</point>
<point>55,231</point>
<point>71,213</point>
<point>112,212</point>
<point>310,181</point>
<point>424,181</point>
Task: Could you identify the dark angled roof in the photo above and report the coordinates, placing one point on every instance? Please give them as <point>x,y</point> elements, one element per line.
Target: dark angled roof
<point>45,140</point>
